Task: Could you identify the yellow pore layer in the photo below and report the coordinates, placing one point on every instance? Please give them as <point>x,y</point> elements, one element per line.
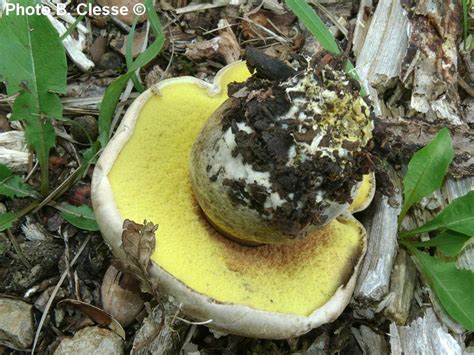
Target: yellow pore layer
<point>150,181</point>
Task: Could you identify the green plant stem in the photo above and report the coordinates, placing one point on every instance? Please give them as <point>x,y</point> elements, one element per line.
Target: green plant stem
<point>465,8</point>
<point>44,187</point>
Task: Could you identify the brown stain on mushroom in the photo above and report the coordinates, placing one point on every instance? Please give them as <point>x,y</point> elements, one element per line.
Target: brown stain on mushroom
<point>247,259</point>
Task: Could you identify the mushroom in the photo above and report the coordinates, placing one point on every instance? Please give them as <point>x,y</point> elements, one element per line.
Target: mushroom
<point>273,291</point>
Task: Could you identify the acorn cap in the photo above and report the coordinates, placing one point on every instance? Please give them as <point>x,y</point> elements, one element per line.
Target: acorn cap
<point>268,291</point>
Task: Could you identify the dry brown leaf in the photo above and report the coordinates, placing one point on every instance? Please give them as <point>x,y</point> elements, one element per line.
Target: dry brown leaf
<point>121,296</point>
<point>96,314</point>
<point>138,242</point>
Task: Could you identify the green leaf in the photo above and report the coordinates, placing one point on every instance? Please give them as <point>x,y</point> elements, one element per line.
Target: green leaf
<point>6,220</point>
<point>315,25</point>
<point>113,92</point>
<point>12,185</point>
<point>426,170</point>
<point>79,216</point>
<point>452,287</point>
<point>457,216</point>
<point>33,65</point>
<point>449,243</point>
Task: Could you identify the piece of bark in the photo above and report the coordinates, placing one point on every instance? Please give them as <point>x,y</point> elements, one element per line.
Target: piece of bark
<point>380,60</point>
<point>14,151</point>
<point>429,68</point>
<point>398,139</point>
<point>425,335</point>
<point>364,17</point>
<point>454,188</point>
<point>157,337</point>
<point>402,288</point>
<point>408,65</point>
<point>465,259</point>
<point>320,345</point>
<point>369,341</point>
<point>380,222</point>
<point>267,67</point>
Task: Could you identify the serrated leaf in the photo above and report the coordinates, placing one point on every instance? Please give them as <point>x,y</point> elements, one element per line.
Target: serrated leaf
<point>457,216</point>
<point>33,65</point>
<point>449,243</point>
<point>6,220</point>
<point>426,170</point>
<point>452,287</point>
<point>79,216</point>
<point>12,185</point>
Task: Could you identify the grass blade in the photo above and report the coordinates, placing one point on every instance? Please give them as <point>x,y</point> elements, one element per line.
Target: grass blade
<point>113,92</point>
<point>315,25</point>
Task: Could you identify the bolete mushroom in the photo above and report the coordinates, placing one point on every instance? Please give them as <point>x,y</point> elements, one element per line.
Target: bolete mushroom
<point>272,291</point>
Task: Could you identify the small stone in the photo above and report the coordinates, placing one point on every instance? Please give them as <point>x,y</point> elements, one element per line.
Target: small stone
<point>16,323</point>
<point>97,49</point>
<point>91,341</point>
<point>85,129</point>
<point>110,60</point>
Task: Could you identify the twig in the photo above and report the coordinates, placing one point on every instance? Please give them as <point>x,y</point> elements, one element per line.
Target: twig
<point>18,250</point>
<point>55,291</point>
<point>264,29</point>
<point>120,24</point>
<point>466,87</point>
<point>331,17</point>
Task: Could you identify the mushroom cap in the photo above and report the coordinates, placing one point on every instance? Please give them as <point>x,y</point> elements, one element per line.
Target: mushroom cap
<point>269,291</point>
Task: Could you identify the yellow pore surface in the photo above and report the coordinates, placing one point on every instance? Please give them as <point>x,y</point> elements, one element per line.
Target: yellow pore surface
<point>150,181</point>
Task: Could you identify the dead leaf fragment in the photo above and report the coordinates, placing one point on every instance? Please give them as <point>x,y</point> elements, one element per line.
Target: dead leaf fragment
<point>96,314</point>
<point>139,242</point>
<point>121,296</point>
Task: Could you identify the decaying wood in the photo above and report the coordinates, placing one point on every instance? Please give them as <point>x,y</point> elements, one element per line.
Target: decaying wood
<point>369,341</point>
<point>363,23</point>
<point>399,138</point>
<point>13,150</point>
<point>466,257</point>
<point>424,335</point>
<point>320,346</point>
<point>429,68</point>
<point>454,188</point>
<point>380,222</point>
<point>155,337</point>
<point>402,287</point>
<point>380,59</point>
<point>408,64</point>
<point>73,46</point>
